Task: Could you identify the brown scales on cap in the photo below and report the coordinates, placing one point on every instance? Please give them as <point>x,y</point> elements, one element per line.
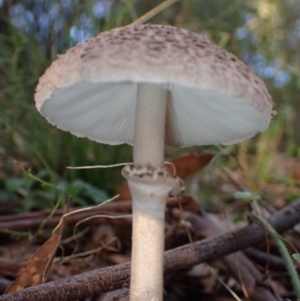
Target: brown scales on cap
<point>155,54</point>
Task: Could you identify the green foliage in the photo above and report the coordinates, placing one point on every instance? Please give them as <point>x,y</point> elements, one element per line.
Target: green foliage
<point>24,132</point>
<point>35,192</point>
<point>82,192</point>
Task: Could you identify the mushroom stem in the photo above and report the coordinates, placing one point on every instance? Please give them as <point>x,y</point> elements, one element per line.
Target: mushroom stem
<point>149,195</point>
<point>148,242</point>
<point>150,119</point>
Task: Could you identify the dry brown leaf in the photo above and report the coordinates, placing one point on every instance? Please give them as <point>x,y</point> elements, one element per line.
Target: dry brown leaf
<point>189,164</point>
<point>185,166</point>
<point>185,202</point>
<point>296,170</point>
<point>34,271</point>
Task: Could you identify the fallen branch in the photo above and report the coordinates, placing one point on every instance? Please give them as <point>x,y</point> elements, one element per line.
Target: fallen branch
<point>274,262</point>
<point>255,287</point>
<point>111,278</point>
<point>33,220</point>
<point>23,225</point>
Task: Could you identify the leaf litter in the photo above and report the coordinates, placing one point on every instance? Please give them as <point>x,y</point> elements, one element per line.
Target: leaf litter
<point>98,238</point>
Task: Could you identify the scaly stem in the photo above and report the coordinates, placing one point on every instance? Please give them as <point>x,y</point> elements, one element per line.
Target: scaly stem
<point>148,242</point>
<point>148,196</point>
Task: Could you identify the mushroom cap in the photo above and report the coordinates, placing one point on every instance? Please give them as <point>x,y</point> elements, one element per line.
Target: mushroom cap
<point>213,97</point>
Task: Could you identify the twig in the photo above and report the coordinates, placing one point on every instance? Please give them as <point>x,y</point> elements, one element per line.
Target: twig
<point>237,264</point>
<point>111,278</point>
<point>124,206</point>
<point>153,12</point>
<point>33,220</point>
<point>284,252</point>
<point>275,262</point>
<point>71,220</point>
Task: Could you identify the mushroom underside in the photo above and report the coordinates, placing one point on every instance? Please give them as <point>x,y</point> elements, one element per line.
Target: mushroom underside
<point>195,115</point>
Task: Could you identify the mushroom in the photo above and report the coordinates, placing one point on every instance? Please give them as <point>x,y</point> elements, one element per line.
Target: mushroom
<point>151,85</point>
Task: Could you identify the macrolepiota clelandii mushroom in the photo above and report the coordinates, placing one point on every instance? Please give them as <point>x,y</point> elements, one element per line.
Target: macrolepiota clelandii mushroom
<point>151,85</point>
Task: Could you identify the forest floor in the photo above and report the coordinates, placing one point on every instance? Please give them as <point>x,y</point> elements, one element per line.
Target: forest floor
<point>79,252</point>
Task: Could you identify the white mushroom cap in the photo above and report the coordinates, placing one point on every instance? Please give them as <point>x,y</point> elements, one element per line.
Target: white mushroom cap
<point>213,97</point>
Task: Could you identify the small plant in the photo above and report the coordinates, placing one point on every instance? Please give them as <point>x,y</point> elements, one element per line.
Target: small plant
<point>34,191</point>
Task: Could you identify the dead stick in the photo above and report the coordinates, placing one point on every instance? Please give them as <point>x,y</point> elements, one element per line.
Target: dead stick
<point>275,262</point>
<point>23,225</point>
<point>255,287</point>
<point>122,206</point>
<point>111,278</point>
<point>33,220</point>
